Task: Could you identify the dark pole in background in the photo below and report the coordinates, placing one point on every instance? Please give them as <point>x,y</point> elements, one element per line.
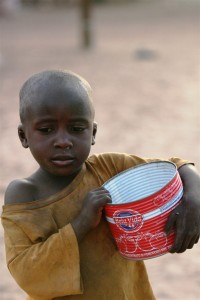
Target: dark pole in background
<point>86,18</point>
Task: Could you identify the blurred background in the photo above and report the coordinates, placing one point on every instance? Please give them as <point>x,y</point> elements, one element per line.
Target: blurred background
<point>142,59</point>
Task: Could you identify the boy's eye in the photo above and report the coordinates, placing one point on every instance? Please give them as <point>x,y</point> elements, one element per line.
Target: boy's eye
<point>45,129</point>
<point>77,128</point>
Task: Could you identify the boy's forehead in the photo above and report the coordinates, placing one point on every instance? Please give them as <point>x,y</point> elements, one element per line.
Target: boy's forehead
<point>74,97</point>
<point>53,87</point>
<point>44,86</point>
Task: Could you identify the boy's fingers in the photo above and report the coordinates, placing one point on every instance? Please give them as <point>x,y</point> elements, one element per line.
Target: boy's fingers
<point>107,199</point>
<point>187,244</point>
<point>180,240</point>
<point>186,233</point>
<point>170,222</point>
<point>177,246</point>
<point>102,200</point>
<point>192,242</point>
<point>184,239</point>
<point>101,191</point>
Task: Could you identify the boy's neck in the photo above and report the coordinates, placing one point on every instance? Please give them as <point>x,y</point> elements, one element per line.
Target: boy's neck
<point>49,178</point>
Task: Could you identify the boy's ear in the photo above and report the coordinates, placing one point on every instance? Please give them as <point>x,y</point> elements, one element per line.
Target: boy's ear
<point>22,136</point>
<point>94,132</point>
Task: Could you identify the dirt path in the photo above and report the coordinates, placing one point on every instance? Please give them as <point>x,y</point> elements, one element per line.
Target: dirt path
<point>143,67</point>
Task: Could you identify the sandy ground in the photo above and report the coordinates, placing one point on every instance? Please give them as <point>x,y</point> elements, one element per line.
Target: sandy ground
<point>144,70</point>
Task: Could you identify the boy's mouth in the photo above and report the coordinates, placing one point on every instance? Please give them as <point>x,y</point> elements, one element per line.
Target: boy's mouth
<point>62,160</point>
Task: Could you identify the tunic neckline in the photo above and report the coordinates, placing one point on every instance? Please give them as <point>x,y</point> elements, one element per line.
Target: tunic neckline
<point>45,201</point>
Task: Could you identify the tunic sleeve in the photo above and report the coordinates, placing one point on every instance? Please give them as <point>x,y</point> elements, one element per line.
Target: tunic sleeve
<point>110,164</point>
<point>179,162</point>
<point>44,269</point>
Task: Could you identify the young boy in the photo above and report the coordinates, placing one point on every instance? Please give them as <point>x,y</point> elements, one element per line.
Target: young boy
<point>58,244</point>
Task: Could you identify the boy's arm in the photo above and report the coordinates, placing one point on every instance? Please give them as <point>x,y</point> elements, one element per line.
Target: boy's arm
<point>43,260</point>
<point>186,216</point>
<point>46,269</point>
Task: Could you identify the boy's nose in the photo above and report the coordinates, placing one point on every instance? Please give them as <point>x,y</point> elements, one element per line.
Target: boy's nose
<point>63,140</point>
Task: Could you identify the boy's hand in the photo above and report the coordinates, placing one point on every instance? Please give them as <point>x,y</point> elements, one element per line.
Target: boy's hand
<point>93,206</point>
<point>91,212</point>
<point>186,216</point>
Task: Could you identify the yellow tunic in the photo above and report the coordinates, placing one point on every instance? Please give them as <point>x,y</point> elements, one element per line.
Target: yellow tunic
<point>42,250</point>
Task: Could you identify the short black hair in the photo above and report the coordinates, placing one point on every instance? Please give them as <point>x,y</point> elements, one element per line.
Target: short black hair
<point>42,80</point>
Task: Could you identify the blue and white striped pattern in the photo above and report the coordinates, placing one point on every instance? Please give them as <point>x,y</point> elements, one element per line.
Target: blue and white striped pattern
<point>140,182</point>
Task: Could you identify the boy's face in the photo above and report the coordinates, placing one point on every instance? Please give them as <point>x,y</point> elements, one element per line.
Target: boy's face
<point>59,130</point>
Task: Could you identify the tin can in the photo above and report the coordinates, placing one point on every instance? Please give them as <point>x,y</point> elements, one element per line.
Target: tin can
<point>142,199</point>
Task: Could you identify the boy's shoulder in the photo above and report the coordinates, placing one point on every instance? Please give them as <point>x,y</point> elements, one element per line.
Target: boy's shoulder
<point>20,191</point>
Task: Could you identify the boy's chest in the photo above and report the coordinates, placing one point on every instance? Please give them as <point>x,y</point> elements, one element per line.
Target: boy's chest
<point>67,209</point>
<point>46,190</point>
<point>60,209</point>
